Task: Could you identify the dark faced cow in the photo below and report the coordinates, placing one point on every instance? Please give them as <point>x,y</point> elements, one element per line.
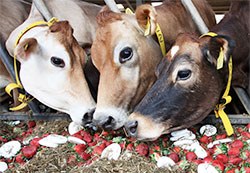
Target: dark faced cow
<point>189,85</point>
<point>126,58</point>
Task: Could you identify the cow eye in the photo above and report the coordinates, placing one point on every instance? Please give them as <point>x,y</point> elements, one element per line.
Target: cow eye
<point>126,54</point>
<point>58,62</point>
<point>183,74</point>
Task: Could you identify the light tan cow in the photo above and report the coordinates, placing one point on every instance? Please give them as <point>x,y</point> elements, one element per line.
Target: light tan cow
<point>127,59</point>
<point>12,14</point>
<point>52,60</point>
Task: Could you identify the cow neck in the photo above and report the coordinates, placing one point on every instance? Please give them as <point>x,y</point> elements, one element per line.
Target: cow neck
<point>226,98</point>
<point>22,96</point>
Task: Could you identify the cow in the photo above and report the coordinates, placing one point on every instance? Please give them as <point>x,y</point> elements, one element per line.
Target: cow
<point>188,85</point>
<point>12,14</point>
<point>126,58</point>
<point>52,58</point>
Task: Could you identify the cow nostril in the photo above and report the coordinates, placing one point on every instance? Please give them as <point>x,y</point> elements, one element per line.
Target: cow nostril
<point>132,127</point>
<point>109,122</point>
<point>88,116</point>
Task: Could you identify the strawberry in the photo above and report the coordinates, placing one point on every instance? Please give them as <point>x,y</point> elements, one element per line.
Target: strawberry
<point>248,127</point>
<point>86,136</point>
<point>29,151</point>
<point>91,144</point>
<point>235,160</point>
<point>174,157</point>
<point>142,149</point>
<point>246,169</point>
<point>79,148</point>
<point>176,149</point>
<point>19,159</point>
<point>246,135</point>
<point>208,159</point>
<point>123,144</point>
<point>233,170</point>
<point>77,135</point>
<point>98,150</point>
<point>197,161</point>
<point>35,142</point>
<point>130,146</point>
<point>104,133</point>
<point>221,136</point>
<point>190,155</point>
<point>234,152</point>
<point>31,124</point>
<point>85,156</point>
<point>218,164</point>
<point>222,157</point>
<point>237,144</point>
<point>204,139</point>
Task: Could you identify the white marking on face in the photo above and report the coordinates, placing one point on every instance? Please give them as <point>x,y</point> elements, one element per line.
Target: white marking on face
<point>174,50</point>
<point>120,115</point>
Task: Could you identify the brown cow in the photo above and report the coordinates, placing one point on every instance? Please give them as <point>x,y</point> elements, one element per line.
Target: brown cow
<point>52,60</point>
<point>189,85</point>
<point>127,59</point>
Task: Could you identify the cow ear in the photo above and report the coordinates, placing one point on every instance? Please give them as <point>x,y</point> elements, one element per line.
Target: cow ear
<point>146,18</point>
<point>220,49</point>
<point>25,48</point>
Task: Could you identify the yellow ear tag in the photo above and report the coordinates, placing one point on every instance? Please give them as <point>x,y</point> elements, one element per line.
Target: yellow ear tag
<point>26,46</point>
<point>147,29</point>
<point>220,59</point>
<point>128,11</point>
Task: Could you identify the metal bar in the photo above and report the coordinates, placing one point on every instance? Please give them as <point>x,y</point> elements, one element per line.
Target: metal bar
<point>188,4</point>
<point>244,98</point>
<point>24,116</point>
<point>42,8</point>
<point>138,2</point>
<point>8,62</point>
<point>112,5</point>
<point>234,119</point>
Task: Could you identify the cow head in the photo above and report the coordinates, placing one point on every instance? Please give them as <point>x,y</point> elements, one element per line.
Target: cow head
<point>126,60</point>
<point>187,89</point>
<point>52,69</point>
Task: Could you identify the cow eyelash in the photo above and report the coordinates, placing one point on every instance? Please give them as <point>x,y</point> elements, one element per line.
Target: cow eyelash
<point>184,74</point>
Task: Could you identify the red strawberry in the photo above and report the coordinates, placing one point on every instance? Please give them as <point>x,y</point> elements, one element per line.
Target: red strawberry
<point>246,135</point>
<point>204,139</point>
<point>142,149</point>
<point>221,136</point>
<point>231,170</point>
<point>234,152</point>
<point>208,159</point>
<point>29,151</point>
<point>35,142</point>
<point>248,126</point>
<point>130,146</point>
<point>123,144</point>
<point>176,149</point>
<point>86,136</point>
<point>174,157</point>
<point>91,144</point>
<point>219,164</point>
<point>107,143</point>
<point>2,139</point>
<point>237,144</point>
<point>235,160</point>
<point>19,159</point>
<point>79,148</point>
<point>222,157</point>
<point>191,156</point>
<point>197,161</point>
<point>85,156</point>
<point>98,150</point>
<point>247,169</point>
<point>104,133</point>
<point>77,135</point>
<point>31,124</point>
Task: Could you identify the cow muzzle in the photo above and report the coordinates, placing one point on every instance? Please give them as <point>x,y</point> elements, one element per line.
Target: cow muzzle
<point>107,123</point>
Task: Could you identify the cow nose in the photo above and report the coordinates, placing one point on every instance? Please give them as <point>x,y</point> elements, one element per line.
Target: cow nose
<point>106,123</point>
<point>87,117</point>
<point>131,128</point>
